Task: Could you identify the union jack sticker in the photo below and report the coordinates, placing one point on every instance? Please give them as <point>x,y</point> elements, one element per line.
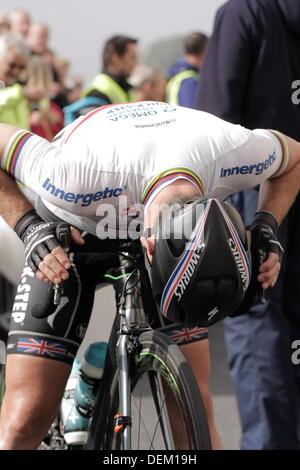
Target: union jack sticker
<point>41,347</point>
<point>182,335</point>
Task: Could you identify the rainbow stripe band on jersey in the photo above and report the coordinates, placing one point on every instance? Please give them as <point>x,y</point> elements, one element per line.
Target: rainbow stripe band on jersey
<point>285,152</point>
<point>167,177</point>
<point>13,150</point>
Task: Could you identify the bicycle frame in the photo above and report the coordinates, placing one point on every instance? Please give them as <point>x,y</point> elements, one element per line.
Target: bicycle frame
<point>123,351</point>
<point>127,284</point>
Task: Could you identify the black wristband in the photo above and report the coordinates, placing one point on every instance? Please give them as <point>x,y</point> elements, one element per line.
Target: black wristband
<point>27,219</point>
<point>265,218</point>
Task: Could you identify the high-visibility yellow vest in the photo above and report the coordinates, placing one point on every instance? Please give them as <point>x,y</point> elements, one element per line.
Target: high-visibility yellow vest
<point>110,88</point>
<point>14,106</point>
<point>174,84</point>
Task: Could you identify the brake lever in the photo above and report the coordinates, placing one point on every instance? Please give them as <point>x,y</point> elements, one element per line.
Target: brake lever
<point>63,236</point>
<point>58,291</point>
<point>261,291</point>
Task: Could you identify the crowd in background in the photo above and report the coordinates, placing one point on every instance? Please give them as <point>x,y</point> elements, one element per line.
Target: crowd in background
<point>236,83</point>
<point>37,89</point>
<point>35,83</point>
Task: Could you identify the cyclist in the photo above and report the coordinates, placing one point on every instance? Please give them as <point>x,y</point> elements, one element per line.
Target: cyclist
<point>147,153</point>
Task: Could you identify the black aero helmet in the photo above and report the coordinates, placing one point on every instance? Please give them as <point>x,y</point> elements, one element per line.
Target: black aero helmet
<point>200,269</point>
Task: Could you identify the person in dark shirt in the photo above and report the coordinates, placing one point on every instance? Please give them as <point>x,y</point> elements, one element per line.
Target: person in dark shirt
<point>183,76</point>
<point>249,77</point>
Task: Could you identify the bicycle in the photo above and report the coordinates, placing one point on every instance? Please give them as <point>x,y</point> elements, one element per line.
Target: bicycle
<point>138,357</point>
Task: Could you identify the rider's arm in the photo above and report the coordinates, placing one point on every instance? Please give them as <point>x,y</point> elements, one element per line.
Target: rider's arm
<point>277,194</point>
<point>276,197</point>
<point>15,208</point>
<point>263,157</point>
<point>54,172</point>
<point>13,204</point>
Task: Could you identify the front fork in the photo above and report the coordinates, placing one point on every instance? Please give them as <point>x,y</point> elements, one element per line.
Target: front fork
<point>123,420</point>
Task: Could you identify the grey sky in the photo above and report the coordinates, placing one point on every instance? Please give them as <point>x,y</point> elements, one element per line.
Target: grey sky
<point>79,29</point>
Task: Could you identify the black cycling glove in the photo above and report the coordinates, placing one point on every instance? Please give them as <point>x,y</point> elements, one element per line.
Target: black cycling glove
<point>263,241</point>
<point>263,237</point>
<point>38,236</point>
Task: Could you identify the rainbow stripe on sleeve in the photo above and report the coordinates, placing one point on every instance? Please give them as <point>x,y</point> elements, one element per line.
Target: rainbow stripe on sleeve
<point>13,151</point>
<point>285,152</point>
<point>167,177</point>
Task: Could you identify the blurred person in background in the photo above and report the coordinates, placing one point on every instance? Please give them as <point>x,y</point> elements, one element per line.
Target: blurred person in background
<point>37,38</point>
<point>183,76</point>
<point>68,88</point>
<point>17,92</point>
<point>62,67</point>
<point>74,86</point>
<point>248,78</point>
<point>19,22</point>
<point>58,66</point>
<point>46,118</point>
<point>4,22</point>
<point>38,42</point>
<point>14,56</point>
<point>118,60</point>
<point>148,84</point>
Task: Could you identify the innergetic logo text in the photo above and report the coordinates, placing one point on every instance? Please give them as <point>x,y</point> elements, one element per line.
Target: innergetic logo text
<point>256,168</point>
<point>86,199</point>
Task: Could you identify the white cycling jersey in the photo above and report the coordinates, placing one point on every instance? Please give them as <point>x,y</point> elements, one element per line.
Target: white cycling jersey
<point>121,155</point>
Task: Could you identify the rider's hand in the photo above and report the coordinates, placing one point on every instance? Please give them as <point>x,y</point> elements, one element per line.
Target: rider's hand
<point>265,248</point>
<point>43,252</point>
<point>269,271</point>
